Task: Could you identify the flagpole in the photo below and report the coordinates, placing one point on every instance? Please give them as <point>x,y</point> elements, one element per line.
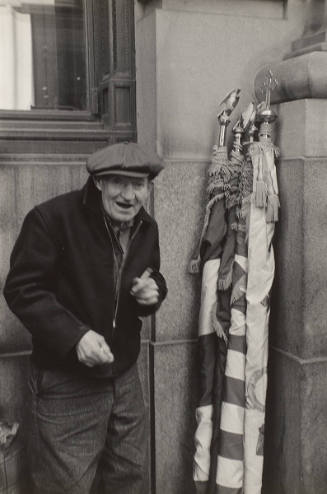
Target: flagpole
<point>263,215</point>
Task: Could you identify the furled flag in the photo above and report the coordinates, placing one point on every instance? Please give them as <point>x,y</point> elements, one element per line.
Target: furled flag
<point>264,209</point>
<point>230,461</point>
<point>240,460</point>
<point>211,334</point>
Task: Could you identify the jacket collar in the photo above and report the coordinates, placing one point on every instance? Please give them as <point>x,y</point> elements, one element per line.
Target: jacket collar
<point>91,199</point>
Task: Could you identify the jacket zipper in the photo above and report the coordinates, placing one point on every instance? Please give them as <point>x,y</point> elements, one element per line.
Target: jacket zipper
<point>120,271</point>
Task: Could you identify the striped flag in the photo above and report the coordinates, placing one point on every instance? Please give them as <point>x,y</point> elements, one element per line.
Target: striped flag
<point>214,317</point>
<point>210,345</point>
<point>236,286</point>
<point>230,462</point>
<point>240,460</point>
<point>261,266</point>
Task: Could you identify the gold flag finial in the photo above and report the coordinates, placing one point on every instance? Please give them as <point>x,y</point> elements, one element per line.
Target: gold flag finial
<point>241,127</point>
<point>225,109</point>
<point>270,82</point>
<point>264,111</point>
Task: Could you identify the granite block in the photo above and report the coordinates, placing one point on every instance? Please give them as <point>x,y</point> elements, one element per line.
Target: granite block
<point>143,364</point>
<point>314,259</point>
<point>21,188</point>
<point>179,204</point>
<point>296,424</point>
<point>303,127</point>
<point>287,301</point>
<point>282,460</point>
<point>175,390</point>
<point>14,394</point>
<point>144,371</point>
<point>299,311</point>
<point>314,426</point>
<point>13,469</point>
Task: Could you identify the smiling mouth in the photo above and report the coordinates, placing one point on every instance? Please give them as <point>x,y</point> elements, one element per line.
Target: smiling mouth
<point>124,205</point>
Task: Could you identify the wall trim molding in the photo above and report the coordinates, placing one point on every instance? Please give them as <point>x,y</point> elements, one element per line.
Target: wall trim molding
<point>186,159</point>
<point>24,353</point>
<point>42,159</point>
<point>299,360</point>
<point>173,342</point>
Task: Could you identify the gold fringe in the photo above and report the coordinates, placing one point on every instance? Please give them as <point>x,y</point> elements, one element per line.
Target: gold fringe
<point>260,194</point>
<point>225,283</point>
<point>273,206</point>
<point>194,266</point>
<point>242,228</point>
<point>245,206</point>
<point>216,189</point>
<point>217,326</point>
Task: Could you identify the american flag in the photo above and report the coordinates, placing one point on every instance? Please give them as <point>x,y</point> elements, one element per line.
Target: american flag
<point>236,284</point>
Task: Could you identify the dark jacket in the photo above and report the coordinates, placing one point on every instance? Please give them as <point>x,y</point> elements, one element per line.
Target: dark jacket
<point>62,281</point>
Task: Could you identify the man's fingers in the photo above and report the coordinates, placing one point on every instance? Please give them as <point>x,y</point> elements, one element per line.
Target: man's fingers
<point>88,363</point>
<point>93,350</point>
<point>143,284</point>
<point>97,358</point>
<point>140,282</point>
<point>145,289</point>
<point>148,296</point>
<point>106,353</point>
<point>148,301</point>
<point>148,293</point>
<point>147,273</point>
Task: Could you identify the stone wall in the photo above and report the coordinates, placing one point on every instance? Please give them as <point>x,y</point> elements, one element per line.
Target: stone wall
<point>189,54</point>
<point>296,452</point>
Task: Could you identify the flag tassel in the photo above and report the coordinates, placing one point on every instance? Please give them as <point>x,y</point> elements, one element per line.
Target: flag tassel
<point>260,194</point>
<point>195,263</point>
<point>217,326</point>
<point>273,206</point>
<point>261,187</point>
<point>225,283</point>
<point>194,266</point>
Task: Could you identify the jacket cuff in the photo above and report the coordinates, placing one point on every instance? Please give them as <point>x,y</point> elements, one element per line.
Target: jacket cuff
<point>71,340</point>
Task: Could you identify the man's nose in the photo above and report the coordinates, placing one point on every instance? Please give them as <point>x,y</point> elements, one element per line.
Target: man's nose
<point>128,192</point>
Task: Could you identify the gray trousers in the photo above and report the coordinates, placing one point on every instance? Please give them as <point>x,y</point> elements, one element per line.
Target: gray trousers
<point>87,435</point>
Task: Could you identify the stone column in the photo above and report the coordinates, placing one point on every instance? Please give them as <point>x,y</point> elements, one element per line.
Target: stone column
<point>296,454</point>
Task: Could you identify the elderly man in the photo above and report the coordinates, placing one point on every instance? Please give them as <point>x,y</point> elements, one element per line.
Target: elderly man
<point>83,271</point>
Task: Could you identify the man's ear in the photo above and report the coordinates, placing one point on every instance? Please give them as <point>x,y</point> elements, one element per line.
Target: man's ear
<point>97,183</point>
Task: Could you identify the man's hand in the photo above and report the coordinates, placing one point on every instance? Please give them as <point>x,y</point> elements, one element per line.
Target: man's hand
<point>92,350</point>
<point>145,289</point>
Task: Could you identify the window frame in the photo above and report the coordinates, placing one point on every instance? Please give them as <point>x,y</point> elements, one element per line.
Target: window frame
<point>53,114</point>
<point>52,123</point>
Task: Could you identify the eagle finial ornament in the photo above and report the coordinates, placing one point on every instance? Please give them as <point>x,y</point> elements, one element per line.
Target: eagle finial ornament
<point>225,109</point>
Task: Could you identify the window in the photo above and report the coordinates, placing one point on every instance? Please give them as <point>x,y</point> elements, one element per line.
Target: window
<point>43,58</point>
<point>68,60</point>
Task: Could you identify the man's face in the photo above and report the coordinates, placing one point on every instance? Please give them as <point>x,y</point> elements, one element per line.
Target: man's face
<point>123,196</point>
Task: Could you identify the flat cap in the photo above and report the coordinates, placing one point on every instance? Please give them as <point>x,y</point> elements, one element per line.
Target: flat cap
<point>124,158</point>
